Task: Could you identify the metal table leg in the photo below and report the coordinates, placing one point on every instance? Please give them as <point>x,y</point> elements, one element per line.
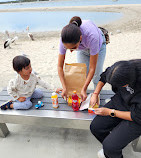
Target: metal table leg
<point>136,144</point>
<point>3,130</point>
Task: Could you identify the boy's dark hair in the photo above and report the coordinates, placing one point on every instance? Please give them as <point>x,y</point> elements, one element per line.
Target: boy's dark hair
<point>71,33</point>
<point>122,73</point>
<point>20,62</point>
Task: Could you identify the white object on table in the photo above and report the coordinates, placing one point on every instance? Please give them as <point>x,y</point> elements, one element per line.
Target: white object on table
<point>85,104</point>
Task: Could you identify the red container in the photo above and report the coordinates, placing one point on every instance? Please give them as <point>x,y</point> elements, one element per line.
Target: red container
<point>91,110</point>
<point>75,101</point>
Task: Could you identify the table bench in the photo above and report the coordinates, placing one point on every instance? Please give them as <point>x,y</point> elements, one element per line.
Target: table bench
<point>63,117</point>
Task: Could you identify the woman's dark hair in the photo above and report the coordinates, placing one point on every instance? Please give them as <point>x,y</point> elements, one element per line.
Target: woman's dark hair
<point>20,62</point>
<point>76,20</point>
<point>122,73</point>
<point>71,33</point>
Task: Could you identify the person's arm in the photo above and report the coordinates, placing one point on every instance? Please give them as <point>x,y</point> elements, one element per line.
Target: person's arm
<point>125,115</point>
<point>44,84</point>
<point>135,108</point>
<point>61,59</point>
<point>99,87</point>
<point>11,89</point>
<point>94,97</point>
<point>101,83</point>
<point>92,68</point>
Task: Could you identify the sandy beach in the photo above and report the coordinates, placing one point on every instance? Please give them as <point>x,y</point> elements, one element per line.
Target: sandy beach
<point>43,52</point>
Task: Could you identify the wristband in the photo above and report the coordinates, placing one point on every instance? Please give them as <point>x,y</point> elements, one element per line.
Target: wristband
<point>95,93</point>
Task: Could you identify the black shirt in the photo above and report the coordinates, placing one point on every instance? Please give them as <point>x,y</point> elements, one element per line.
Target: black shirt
<point>127,98</point>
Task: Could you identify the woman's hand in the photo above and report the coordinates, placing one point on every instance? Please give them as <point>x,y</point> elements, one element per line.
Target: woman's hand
<point>83,95</point>
<point>94,99</point>
<point>58,90</point>
<point>63,92</point>
<point>102,111</point>
<point>21,99</point>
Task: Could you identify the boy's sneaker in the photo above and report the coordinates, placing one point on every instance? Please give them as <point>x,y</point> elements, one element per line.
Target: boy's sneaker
<point>6,105</point>
<point>100,154</point>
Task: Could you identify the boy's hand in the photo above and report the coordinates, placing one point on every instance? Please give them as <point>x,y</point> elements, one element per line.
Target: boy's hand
<point>21,99</point>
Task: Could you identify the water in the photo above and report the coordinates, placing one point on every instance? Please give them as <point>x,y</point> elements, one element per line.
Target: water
<point>49,21</point>
<point>67,3</point>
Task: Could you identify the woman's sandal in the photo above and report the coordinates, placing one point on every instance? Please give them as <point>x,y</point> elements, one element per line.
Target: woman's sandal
<point>6,105</point>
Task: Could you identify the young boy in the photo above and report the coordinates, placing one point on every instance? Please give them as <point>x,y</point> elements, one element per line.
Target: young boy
<point>23,87</point>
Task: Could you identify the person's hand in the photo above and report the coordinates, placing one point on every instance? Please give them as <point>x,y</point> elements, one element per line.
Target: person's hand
<point>102,111</point>
<point>94,99</point>
<point>83,95</point>
<point>21,99</point>
<point>58,90</point>
<point>64,94</point>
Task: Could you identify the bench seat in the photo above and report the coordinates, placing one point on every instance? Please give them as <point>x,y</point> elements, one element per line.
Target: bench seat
<point>63,117</point>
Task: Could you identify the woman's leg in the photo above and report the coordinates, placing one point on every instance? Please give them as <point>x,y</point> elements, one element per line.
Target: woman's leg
<point>83,56</point>
<point>37,94</point>
<point>22,105</point>
<point>101,126</point>
<point>120,137</point>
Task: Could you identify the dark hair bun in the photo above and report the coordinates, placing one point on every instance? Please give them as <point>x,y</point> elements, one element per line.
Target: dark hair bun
<point>76,21</point>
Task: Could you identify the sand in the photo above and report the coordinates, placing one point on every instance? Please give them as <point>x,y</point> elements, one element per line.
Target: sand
<point>43,52</point>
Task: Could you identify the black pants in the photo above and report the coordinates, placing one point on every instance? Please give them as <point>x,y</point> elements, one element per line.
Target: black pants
<point>114,133</point>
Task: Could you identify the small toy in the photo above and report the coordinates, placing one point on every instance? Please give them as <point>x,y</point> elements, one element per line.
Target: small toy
<point>91,109</point>
<point>39,105</point>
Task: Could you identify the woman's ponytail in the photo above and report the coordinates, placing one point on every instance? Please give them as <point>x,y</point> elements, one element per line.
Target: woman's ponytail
<point>76,21</point>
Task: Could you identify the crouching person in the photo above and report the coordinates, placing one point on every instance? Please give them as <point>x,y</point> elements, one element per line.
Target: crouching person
<point>119,121</point>
<point>23,87</point>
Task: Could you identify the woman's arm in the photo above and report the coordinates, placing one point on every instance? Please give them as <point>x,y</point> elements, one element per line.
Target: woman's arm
<point>92,67</point>
<point>125,115</point>
<point>99,87</point>
<point>94,98</point>
<point>61,59</point>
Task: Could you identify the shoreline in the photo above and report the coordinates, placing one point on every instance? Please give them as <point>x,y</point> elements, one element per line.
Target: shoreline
<point>105,8</point>
<point>134,10</point>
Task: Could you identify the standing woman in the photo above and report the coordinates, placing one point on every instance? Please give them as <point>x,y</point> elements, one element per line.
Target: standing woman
<point>89,41</point>
<point>119,121</point>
